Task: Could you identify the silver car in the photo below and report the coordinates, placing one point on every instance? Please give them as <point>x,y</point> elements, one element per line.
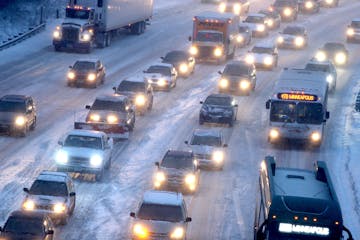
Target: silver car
<point>161,76</point>
<point>263,56</point>
<point>324,66</point>
<point>161,215</point>
<point>208,146</point>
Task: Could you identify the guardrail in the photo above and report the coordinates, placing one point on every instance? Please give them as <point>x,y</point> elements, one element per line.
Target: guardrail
<point>22,36</point>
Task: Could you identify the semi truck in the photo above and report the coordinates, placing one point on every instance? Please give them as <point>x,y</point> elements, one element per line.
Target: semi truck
<point>214,36</point>
<point>92,23</point>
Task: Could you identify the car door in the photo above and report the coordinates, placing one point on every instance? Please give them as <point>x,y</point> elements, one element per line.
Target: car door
<point>106,147</point>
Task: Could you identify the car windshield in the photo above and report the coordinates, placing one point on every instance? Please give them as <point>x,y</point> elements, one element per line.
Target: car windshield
<point>355,24</point>
<point>290,112</point>
<point>220,101</point>
<point>128,86</point>
<point>161,212</point>
<point>236,70</point>
<point>209,37</point>
<point>77,13</point>
<point>293,31</point>
<point>209,140</point>
<point>166,71</point>
<point>177,161</point>
<point>317,67</point>
<point>83,142</point>
<point>262,50</point>
<point>176,57</point>
<point>243,29</point>
<point>254,19</point>
<point>334,47</point>
<point>283,3</point>
<point>49,188</point>
<point>84,66</point>
<point>7,106</point>
<point>115,106</point>
<point>23,225</point>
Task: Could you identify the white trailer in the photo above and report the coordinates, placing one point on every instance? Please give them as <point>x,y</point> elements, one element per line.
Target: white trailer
<point>298,107</point>
<point>90,23</point>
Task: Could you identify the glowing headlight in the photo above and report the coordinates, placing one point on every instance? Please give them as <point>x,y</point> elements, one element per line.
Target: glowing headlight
<point>249,59</point>
<point>140,231</point>
<point>280,39</point>
<point>85,37</point>
<point>268,61</point>
<point>57,34</point>
<point>244,84</point>
<point>309,4</point>
<point>59,208</point>
<point>29,205</point>
<point>260,28</point>
<point>140,100</point>
<point>222,7</point>
<point>350,31</point>
<point>178,233</point>
<point>96,160</point>
<point>183,68</point>
<point>329,1</point>
<point>329,78</point>
<point>239,39</point>
<point>160,177</point>
<point>218,52</point>
<point>315,137</point>
<point>224,83</point>
<point>320,56</point>
<point>274,133</point>
<point>218,156</point>
<point>190,179</point>
<point>61,157</point>
<point>91,77</point>
<point>340,58</point>
<point>194,50</point>
<point>161,82</point>
<point>299,41</point>
<point>111,119</point>
<point>287,12</point>
<point>20,121</point>
<point>237,9</point>
<point>71,75</point>
<point>270,22</point>
<point>95,117</point>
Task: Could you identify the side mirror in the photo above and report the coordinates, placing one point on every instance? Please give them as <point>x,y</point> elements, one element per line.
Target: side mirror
<point>50,232</point>
<point>186,142</point>
<point>114,88</point>
<point>72,194</point>
<point>70,67</point>
<point>87,107</point>
<point>132,214</point>
<point>60,143</point>
<point>26,190</point>
<point>189,38</point>
<point>162,58</point>
<point>201,102</point>
<point>225,145</point>
<point>327,115</point>
<point>267,104</point>
<point>157,164</point>
<point>219,72</point>
<point>188,219</point>
<point>236,105</point>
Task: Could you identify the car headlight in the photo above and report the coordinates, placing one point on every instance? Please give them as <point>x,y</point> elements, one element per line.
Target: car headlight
<point>340,58</point>
<point>260,28</point>
<point>239,39</point>
<point>320,56</point>
<point>59,208</point>
<point>329,1</point>
<point>140,231</point>
<point>315,137</point>
<point>71,75</point>
<point>85,37</point>
<point>190,179</point>
<point>222,7</point>
<point>95,117</point>
<point>329,78</point>
<point>237,9</point>
<point>28,205</point>
<point>350,31</point>
<point>62,157</point>
<point>274,133</point>
<point>159,178</point>
<point>218,156</point>
<point>268,61</point>
<point>250,59</point>
<point>244,84</point>
<point>140,100</point>
<point>57,34</point>
<point>309,4</point>
<point>183,68</point>
<point>287,12</point>
<point>177,233</point>
<point>96,160</point>
<point>299,41</point>
<point>224,83</point>
<point>218,52</point>
<point>270,22</point>
<point>20,121</point>
<point>91,77</point>
<point>280,39</point>
<point>112,119</point>
<point>161,82</point>
<point>194,50</point>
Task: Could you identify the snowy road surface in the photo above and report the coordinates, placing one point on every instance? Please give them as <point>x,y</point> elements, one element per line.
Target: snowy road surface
<point>224,206</point>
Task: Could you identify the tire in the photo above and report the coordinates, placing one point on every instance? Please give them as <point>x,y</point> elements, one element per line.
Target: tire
<point>131,126</point>
<point>64,220</point>
<point>108,39</point>
<point>231,123</point>
<point>108,164</point>
<point>57,48</point>
<point>33,125</point>
<point>201,122</point>
<point>103,80</point>
<point>99,176</point>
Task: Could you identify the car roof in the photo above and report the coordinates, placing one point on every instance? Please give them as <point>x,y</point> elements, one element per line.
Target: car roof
<point>52,176</point>
<point>163,198</point>
<point>264,45</point>
<point>93,60</point>
<point>256,15</point>
<point>168,65</point>
<point>86,133</point>
<point>295,26</point>
<point>207,132</point>
<point>14,98</point>
<point>238,62</point>
<point>221,95</point>
<point>315,61</point>
<point>137,79</point>
<point>28,214</point>
<point>179,153</point>
<point>178,52</point>
<point>337,44</point>
<point>112,98</point>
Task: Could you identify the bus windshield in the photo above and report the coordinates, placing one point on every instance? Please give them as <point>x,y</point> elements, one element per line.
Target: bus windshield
<point>283,112</point>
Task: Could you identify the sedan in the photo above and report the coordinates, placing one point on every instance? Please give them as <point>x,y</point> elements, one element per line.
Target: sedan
<point>245,36</point>
<point>335,52</point>
<point>293,36</point>
<point>161,76</point>
<point>263,56</point>
<point>86,73</point>
<point>182,61</point>
<point>273,19</point>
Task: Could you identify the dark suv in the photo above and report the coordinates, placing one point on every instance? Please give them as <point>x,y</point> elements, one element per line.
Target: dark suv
<point>27,226</point>
<point>17,114</point>
<point>288,9</point>
<point>86,73</point>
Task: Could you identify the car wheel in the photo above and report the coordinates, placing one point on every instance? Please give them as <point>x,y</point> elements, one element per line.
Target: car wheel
<point>64,220</point>
<point>33,125</point>
<point>99,175</point>
<point>108,164</point>
<point>103,80</point>
<point>73,208</point>
<point>231,123</point>
<point>201,122</point>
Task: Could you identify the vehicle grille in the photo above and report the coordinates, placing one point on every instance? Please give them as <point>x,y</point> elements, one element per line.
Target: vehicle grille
<point>70,34</point>
<point>206,51</point>
<point>44,207</point>
<point>78,160</point>
<point>203,156</point>
<point>158,236</point>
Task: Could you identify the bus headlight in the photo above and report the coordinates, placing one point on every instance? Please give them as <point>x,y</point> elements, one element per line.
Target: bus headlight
<point>95,117</point>
<point>194,50</point>
<point>28,205</point>
<point>309,4</point>
<point>57,34</point>
<point>111,119</point>
<point>268,61</point>
<point>96,161</point>
<point>340,58</point>
<point>222,7</point>
<point>320,56</point>
<point>61,157</point>
<point>237,9</point>
<point>20,121</point>
<point>224,83</point>
<point>140,231</point>
<point>59,208</point>
<point>299,41</point>
<point>71,75</point>
<point>161,82</point>
<point>280,39</point>
<point>350,32</point>
<point>274,134</point>
<point>244,84</point>
<point>91,77</point>
<point>329,79</point>
<point>260,28</point>
<point>315,137</point>
<point>140,100</point>
<point>177,233</point>
<point>184,68</point>
<point>218,157</point>
<point>250,59</point>
<point>287,12</point>
<point>218,52</point>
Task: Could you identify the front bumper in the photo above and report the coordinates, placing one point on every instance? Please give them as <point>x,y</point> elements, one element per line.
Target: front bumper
<point>10,127</point>
<point>78,169</point>
<point>71,45</point>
